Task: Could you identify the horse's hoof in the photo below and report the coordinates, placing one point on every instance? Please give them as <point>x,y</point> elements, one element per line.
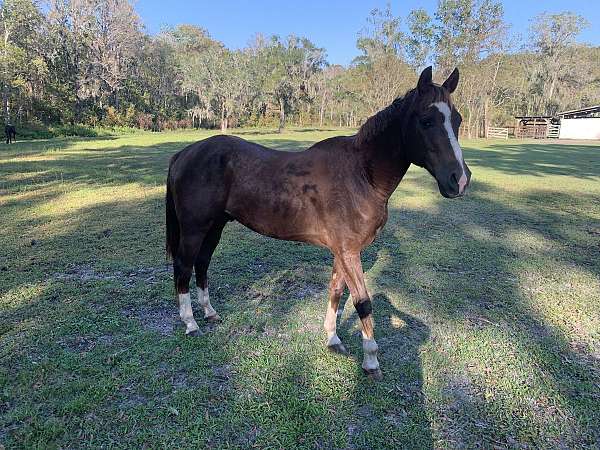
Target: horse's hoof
<point>338,348</point>
<point>194,333</point>
<point>213,319</point>
<point>374,374</point>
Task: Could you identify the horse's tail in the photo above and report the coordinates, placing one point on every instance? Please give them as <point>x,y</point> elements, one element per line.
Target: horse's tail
<point>171,221</point>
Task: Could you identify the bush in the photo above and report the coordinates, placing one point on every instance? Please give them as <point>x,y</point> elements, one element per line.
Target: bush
<point>144,121</point>
<point>114,122</point>
<point>112,118</point>
<point>37,131</point>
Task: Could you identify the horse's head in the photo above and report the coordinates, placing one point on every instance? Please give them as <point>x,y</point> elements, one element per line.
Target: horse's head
<point>432,132</point>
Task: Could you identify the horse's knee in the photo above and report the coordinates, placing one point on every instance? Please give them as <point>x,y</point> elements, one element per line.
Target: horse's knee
<point>337,292</point>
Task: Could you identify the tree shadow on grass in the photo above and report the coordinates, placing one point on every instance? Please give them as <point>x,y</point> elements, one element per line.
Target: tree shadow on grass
<point>263,376</point>
<point>76,368</point>
<point>539,159</point>
<point>472,273</point>
<point>78,317</point>
<point>107,167</point>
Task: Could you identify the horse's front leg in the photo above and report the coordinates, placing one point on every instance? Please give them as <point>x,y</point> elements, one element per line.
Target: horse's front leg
<point>353,274</point>
<point>336,290</point>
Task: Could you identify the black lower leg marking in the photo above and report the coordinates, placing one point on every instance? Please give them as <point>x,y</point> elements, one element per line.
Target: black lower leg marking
<point>364,308</point>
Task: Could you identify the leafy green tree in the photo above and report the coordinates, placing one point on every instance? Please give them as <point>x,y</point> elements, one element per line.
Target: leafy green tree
<point>291,66</point>
<point>382,69</point>
<point>420,40</point>
<point>22,69</point>
<point>552,39</point>
<point>89,61</point>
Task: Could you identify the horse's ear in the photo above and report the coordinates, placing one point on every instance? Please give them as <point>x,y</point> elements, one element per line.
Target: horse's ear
<point>425,80</point>
<point>452,81</point>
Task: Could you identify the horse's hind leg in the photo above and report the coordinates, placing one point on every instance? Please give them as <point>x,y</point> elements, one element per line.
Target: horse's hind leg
<point>201,268</point>
<point>336,290</point>
<point>189,245</point>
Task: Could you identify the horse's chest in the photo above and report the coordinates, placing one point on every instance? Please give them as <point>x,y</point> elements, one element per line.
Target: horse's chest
<point>362,222</point>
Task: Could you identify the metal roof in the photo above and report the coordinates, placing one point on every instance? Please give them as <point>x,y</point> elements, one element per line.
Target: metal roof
<point>588,109</point>
<point>533,117</point>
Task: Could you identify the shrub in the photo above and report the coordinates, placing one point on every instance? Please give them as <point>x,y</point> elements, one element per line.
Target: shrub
<point>143,121</point>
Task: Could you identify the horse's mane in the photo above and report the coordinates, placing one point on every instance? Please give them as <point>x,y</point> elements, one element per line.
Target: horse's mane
<point>400,108</point>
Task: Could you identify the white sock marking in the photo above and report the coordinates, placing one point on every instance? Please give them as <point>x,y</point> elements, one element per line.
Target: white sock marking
<point>333,339</point>
<point>186,313</point>
<point>370,347</point>
<point>330,325</point>
<point>445,110</point>
<point>204,300</point>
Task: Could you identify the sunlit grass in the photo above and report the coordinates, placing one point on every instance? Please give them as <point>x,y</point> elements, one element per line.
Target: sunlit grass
<point>487,309</point>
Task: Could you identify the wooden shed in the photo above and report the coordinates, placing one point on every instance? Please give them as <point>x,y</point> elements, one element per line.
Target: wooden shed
<point>536,127</point>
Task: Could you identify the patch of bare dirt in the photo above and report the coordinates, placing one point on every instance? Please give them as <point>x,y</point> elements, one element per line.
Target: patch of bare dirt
<point>127,278</point>
<point>181,379</point>
<point>363,418</point>
<point>463,400</point>
<point>85,344</point>
<point>293,285</point>
<point>128,397</point>
<point>588,356</point>
<point>160,319</point>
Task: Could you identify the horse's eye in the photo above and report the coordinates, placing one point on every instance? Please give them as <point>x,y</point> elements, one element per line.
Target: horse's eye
<point>427,123</point>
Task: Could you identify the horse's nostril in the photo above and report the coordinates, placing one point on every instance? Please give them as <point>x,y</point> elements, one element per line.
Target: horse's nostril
<point>454,178</point>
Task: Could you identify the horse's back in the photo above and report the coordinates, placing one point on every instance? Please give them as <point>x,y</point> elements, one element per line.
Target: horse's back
<point>277,193</point>
<point>213,154</point>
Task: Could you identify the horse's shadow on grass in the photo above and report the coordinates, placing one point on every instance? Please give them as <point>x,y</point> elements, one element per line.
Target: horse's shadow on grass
<point>400,337</point>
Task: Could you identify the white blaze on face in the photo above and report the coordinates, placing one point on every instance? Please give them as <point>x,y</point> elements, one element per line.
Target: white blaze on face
<point>445,110</point>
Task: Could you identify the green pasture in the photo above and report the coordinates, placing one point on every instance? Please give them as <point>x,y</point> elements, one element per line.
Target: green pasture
<point>487,310</point>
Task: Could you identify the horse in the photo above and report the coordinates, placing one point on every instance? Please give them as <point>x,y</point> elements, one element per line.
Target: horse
<point>10,132</point>
<point>334,195</point>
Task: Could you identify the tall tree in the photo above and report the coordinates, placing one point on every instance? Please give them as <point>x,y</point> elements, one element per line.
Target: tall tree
<point>291,64</point>
<point>420,40</point>
<point>465,33</point>
<point>552,39</point>
<point>20,60</point>
<point>382,68</point>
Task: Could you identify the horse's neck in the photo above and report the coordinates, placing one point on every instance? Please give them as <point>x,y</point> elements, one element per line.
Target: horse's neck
<point>378,141</point>
<point>384,167</point>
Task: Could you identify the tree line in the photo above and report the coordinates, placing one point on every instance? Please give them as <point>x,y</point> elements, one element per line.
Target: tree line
<point>90,62</point>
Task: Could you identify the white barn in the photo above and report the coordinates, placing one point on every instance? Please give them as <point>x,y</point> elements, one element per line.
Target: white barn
<point>581,123</point>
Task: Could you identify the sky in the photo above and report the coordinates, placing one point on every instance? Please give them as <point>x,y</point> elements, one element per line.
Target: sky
<point>331,24</point>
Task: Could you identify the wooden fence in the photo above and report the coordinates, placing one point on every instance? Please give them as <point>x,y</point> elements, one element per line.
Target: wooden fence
<point>553,131</point>
<point>497,133</point>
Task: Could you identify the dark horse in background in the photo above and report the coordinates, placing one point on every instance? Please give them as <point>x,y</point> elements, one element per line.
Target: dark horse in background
<point>334,195</point>
<point>10,132</point>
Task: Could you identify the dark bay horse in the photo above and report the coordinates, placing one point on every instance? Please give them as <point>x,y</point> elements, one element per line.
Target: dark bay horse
<point>334,194</point>
<point>10,132</point>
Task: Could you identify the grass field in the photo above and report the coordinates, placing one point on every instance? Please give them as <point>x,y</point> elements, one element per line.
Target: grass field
<point>487,310</point>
